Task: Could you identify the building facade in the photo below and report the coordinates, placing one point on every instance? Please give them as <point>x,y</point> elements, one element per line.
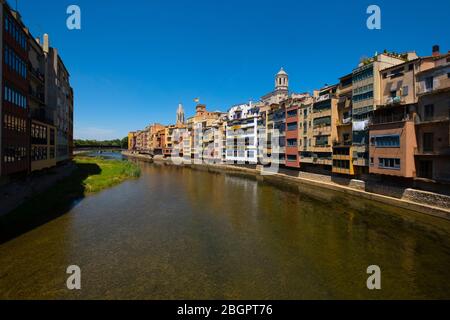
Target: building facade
<point>242,134</point>
<point>36,109</point>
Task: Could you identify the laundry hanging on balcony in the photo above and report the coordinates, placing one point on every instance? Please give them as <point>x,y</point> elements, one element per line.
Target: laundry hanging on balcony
<point>360,125</point>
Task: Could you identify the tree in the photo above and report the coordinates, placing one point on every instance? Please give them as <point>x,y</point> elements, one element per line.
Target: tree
<point>124,143</point>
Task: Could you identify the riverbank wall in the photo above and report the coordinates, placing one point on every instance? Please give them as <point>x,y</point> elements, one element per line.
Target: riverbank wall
<point>15,193</point>
<point>425,202</point>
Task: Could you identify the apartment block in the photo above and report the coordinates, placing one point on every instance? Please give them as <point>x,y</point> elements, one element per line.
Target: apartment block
<point>306,132</point>
<point>392,133</point>
<point>15,126</point>
<point>132,141</point>
<point>367,96</point>
<point>195,128</point>
<point>59,100</point>
<point>432,155</point>
<point>323,126</point>
<point>342,145</point>
<point>242,134</point>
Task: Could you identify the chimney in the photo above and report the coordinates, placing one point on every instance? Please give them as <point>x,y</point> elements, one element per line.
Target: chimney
<point>46,45</point>
<point>436,52</point>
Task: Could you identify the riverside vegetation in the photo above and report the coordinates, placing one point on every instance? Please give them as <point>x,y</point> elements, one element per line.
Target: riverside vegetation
<point>90,175</point>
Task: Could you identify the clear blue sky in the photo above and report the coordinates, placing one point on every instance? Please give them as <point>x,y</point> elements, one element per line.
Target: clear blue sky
<point>134,61</point>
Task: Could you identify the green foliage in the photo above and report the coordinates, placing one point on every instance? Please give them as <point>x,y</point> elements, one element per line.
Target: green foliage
<point>124,143</point>
<point>110,143</point>
<point>112,172</point>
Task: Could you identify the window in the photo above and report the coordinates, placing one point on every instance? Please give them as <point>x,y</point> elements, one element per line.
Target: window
<point>342,164</point>
<point>322,141</point>
<point>405,91</point>
<point>429,112</point>
<point>292,126</point>
<point>322,122</point>
<point>291,158</point>
<point>292,113</point>
<point>389,163</point>
<point>428,141</point>
<point>429,83</point>
<point>388,141</point>
<point>426,169</point>
<point>14,97</point>
<point>291,142</point>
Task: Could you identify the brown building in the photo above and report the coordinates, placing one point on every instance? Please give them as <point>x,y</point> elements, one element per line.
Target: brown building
<point>432,156</point>
<point>392,136</point>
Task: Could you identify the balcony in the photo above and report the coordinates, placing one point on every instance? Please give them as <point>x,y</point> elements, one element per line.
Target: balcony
<point>361,162</point>
<point>324,97</point>
<point>432,119</point>
<point>344,122</point>
<point>434,152</point>
<point>322,130</point>
<point>438,85</point>
<point>389,118</point>
<point>390,101</point>
<point>341,170</point>
<point>39,96</point>
<point>36,73</point>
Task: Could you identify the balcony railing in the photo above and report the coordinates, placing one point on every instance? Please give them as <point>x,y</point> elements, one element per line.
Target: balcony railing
<point>438,85</point>
<point>389,118</point>
<point>323,97</point>
<point>344,122</point>
<point>430,119</point>
<point>394,100</point>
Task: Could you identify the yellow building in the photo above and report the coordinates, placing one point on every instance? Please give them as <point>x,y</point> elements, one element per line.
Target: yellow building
<point>43,141</point>
<point>342,145</point>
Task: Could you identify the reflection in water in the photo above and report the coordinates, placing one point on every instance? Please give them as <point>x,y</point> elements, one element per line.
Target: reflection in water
<point>187,234</point>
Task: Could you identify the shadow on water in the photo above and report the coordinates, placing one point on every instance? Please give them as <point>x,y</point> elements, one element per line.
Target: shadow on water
<point>47,205</point>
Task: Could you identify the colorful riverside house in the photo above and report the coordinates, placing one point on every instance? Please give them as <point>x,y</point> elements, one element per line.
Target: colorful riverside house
<point>293,135</point>
<point>432,156</point>
<point>392,136</point>
<point>214,141</point>
<point>324,130</point>
<point>242,134</point>
<point>342,145</point>
<point>132,141</point>
<point>306,132</point>
<point>366,98</point>
<point>152,136</point>
<point>195,127</point>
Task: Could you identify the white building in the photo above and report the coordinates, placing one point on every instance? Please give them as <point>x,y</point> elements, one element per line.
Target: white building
<point>242,134</point>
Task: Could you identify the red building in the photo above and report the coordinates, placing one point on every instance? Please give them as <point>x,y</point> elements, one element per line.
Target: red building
<point>14,110</point>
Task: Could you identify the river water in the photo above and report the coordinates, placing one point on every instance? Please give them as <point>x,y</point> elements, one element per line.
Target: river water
<point>179,233</point>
